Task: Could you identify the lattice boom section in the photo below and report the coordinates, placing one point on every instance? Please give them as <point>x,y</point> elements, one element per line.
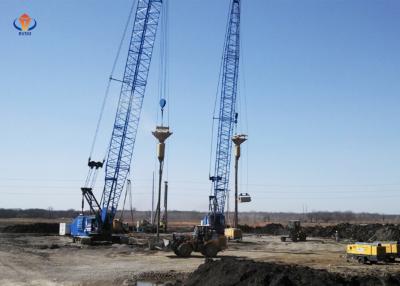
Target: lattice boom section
<point>227,107</point>
<point>130,101</point>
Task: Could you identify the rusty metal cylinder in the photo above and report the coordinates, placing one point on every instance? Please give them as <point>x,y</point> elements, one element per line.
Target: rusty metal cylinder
<point>160,151</point>
<point>237,151</point>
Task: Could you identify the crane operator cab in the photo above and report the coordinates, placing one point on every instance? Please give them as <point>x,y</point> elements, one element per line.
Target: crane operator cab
<point>84,226</point>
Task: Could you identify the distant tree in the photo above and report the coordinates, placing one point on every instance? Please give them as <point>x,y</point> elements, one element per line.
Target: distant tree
<point>50,210</point>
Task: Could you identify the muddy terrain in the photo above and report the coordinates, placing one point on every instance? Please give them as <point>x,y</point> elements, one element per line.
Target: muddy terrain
<point>246,272</point>
<point>49,259</point>
<point>355,232</point>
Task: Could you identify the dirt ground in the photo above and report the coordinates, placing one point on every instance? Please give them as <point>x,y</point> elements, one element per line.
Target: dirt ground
<point>32,259</point>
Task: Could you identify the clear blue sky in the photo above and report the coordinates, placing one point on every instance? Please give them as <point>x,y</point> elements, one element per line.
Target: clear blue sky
<point>321,80</point>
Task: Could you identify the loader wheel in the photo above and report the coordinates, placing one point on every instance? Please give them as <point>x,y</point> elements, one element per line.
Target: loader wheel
<point>361,260</point>
<point>210,250</point>
<point>184,250</point>
<point>294,239</point>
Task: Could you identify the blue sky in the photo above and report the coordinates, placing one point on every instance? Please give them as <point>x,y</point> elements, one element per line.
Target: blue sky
<point>320,79</point>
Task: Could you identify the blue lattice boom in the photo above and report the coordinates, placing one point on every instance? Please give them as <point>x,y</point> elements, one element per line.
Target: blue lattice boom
<point>130,104</point>
<point>226,117</point>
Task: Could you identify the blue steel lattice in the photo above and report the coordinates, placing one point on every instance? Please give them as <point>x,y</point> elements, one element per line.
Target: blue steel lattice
<point>130,103</point>
<point>227,103</point>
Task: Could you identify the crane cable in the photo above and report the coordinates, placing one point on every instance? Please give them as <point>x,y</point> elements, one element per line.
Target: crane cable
<point>92,173</point>
<point>123,204</point>
<point>111,78</point>
<point>164,64</point>
<point>216,100</point>
<point>243,110</point>
<point>163,80</point>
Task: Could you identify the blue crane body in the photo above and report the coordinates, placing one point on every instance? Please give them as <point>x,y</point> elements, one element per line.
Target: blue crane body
<point>226,120</point>
<point>120,151</point>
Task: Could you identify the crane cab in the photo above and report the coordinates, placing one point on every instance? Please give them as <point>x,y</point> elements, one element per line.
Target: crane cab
<point>244,198</point>
<point>83,226</point>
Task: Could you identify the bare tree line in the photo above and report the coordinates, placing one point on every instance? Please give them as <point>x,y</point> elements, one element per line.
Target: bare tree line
<point>250,218</point>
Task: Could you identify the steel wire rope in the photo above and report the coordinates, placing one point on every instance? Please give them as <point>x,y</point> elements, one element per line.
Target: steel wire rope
<point>123,204</point>
<point>167,97</point>
<point>162,83</point>
<point>164,74</point>
<point>216,101</point>
<point>244,97</point>
<point>92,175</point>
<point>111,78</point>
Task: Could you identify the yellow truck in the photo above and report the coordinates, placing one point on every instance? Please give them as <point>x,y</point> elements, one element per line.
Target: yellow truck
<point>366,252</point>
<point>392,249</point>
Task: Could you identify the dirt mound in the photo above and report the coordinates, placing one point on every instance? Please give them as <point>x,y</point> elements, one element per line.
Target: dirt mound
<point>42,228</point>
<point>243,272</point>
<point>271,229</point>
<point>358,232</point>
<point>367,232</point>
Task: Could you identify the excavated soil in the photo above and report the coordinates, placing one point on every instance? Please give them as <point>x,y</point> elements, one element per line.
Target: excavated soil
<point>42,228</point>
<point>170,278</point>
<point>367,232</point>
<point>246,272</point>
<point>271,229</point>
<point>358,232</point>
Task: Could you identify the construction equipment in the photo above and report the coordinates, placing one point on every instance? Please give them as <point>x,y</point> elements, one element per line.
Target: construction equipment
<point>232,233</point>
<point>366,252</point>
<point>295,232</point>
<point>145,226</point>
<point>238,139</point>
<point>244,198</point>
<point>161,133</point>
<point>98,225</point>
<point>204,240</point>
<point>226,119</point>
<point>392,249</point>
<point>120,226</point>
<point>209,238</point>
<point>164,217</point>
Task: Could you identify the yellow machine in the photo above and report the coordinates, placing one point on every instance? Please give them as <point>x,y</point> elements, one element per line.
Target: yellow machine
<point>366,252</point>
<point>232,233</point>
<point>204,240</point>
<point>392,250</point>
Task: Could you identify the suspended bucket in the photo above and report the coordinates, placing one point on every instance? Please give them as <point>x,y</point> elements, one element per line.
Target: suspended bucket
<point>244,198</point>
